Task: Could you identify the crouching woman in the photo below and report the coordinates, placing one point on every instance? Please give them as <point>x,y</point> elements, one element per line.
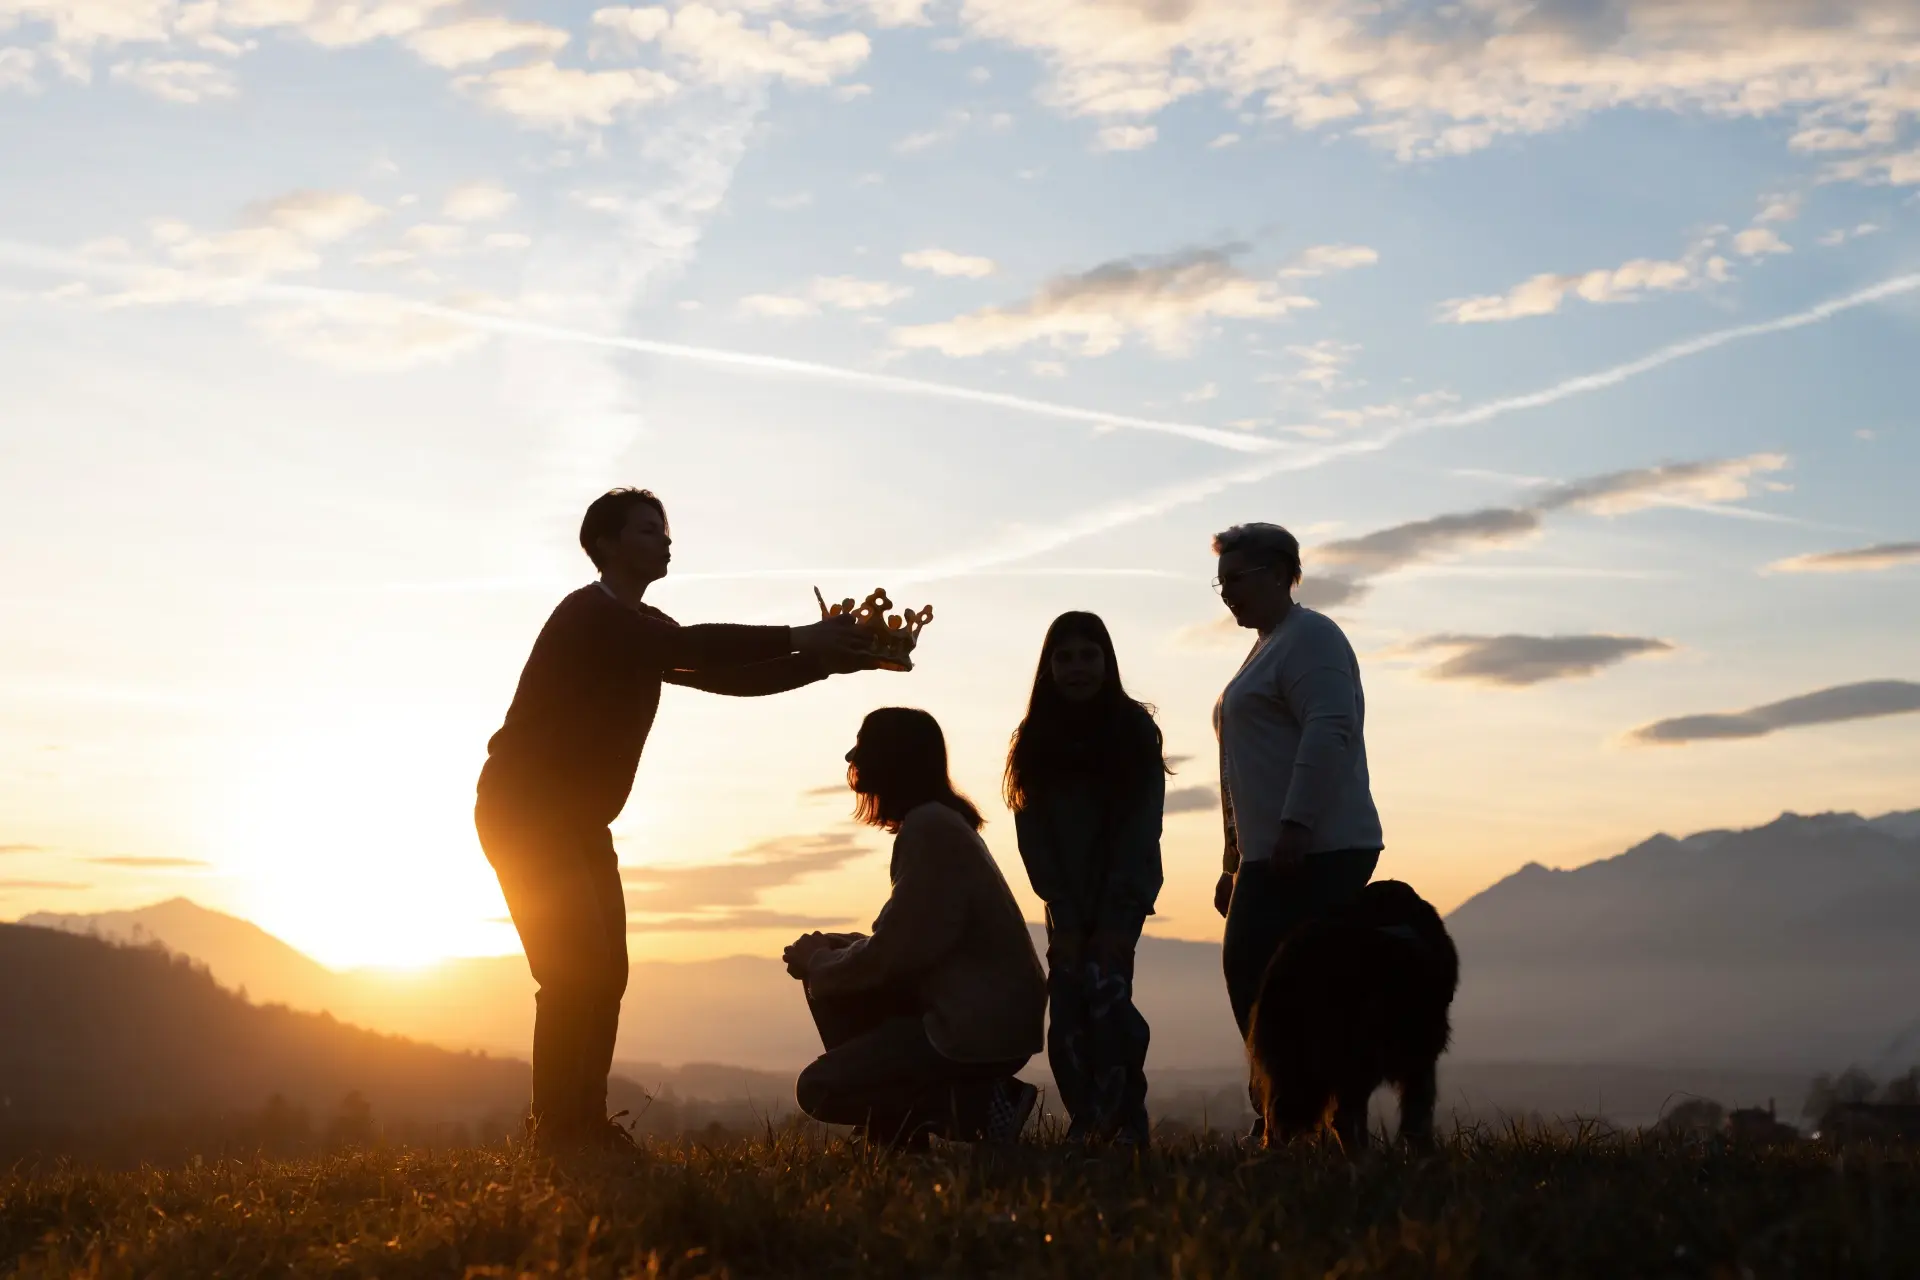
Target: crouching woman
<point>925,1020</point>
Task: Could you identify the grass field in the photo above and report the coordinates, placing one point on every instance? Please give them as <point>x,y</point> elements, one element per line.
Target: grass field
<point>1510,1205</point>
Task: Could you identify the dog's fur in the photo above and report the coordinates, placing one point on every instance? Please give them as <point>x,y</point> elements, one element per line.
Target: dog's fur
<point>1351,1001</point>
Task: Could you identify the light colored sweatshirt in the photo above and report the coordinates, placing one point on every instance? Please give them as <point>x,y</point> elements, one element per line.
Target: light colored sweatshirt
<point>1292,746</point>
<point>952,933</point>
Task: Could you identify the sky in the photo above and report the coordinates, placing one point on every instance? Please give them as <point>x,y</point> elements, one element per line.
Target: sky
<point>1574,340</point>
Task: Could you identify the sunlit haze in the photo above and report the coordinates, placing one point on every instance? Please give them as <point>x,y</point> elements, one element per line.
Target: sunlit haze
<point>1590,394</point>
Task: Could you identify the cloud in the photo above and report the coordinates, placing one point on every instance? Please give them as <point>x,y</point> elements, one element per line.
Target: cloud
<point>1516,661</point>
<point>374,334</point>
<point>1756,242</point>
<point>1883,555</point>
<point>1191,800</point>
<point>1684,484</point>
<point>1224,141</point>
<point>178,80</point>
<point>942,263</point>
<point>482,39</point>
<point>718,47</point>
<point>1434,80</point>
<point>565,98</point>
<point>1127,137</point>
<point>477,202</point>
<point>1681,484</point>
<point>729,920</point>
<point>17,71</point>
<point>1329,591</point>
<point>850,294</point>
<point>42,884</point>
<point>277,237</point>
<point>1865,700</point>
<point>23,848</point>
<point>704,895</point>
<point>155,864</point>
<point>1542,294</point>
<point>1161,301</point>
<point>1779,208</point>
<point>1400,545</point>
<point>1324,259</point>
<point>319,217</point>
<point>844,293</point>
<point>1840,235</point>
<point>435,237</point>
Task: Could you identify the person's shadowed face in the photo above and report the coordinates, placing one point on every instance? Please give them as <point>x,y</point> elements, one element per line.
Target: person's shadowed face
<point>1257,593</point>
<point>642,551</point>
<point>1078,666</point>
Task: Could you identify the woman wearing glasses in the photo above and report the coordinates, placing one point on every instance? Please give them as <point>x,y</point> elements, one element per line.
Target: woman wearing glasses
<point>1302,833</point>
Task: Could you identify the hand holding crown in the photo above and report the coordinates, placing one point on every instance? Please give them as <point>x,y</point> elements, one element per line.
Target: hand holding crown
<point>890,639</point>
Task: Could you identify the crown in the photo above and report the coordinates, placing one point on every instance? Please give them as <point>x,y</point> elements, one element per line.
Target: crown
<point>891,637</point>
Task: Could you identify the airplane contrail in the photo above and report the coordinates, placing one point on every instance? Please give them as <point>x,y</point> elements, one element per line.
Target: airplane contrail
<point>39,258</point>
<point>1158,502</point>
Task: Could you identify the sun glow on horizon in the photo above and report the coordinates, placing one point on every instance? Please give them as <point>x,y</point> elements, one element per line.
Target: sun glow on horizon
<point>348,835</point>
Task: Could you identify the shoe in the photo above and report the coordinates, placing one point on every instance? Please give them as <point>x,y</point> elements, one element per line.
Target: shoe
<point>1009,1109</point>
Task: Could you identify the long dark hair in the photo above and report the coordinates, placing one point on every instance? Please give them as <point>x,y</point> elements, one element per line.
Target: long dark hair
<point>901,765</point>
<point>1113,735</point>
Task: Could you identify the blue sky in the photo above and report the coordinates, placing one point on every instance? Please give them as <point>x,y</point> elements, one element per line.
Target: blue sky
<point>314,316</point>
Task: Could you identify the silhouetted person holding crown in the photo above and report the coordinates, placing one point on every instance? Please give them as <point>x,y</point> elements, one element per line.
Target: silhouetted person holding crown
<point>926,1019</point>
<point>560,769</point>
<point>1086,781</point>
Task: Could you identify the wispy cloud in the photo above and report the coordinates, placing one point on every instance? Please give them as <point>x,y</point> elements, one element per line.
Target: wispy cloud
<point>1516,661</point>
<point>60,885</point>
<point>1161,301</point>
<point>482,39</point>
<point>477,202</point>
<point>150,864</point>
<point>23,848</point>
<point>843,293</point>
<point>731,891</point>
<point>1543,294</point>
<point>1865,700</point>
<point>1191,800</point>
<point>1158,502</point>
<point>1882,555</point>
<point>941,262</point>
<point>1127,137</point>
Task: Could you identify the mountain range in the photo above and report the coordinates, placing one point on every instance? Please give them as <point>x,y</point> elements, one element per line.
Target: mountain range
<point>1787,947</point>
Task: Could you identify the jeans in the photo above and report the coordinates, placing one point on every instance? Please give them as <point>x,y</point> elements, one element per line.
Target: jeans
<point>1096,1040</point>
<point>881,1073</point>
<point>1267,906</point>
<point>563,890</point>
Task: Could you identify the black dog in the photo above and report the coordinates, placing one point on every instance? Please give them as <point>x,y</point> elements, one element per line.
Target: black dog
<point>1351,1001</point>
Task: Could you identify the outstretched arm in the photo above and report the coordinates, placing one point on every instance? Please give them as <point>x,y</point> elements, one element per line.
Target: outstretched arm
<point>754,680</point>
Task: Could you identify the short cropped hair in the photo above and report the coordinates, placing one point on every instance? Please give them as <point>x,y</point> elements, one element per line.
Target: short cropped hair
<point>607,516</point>
<point>1269,544</point>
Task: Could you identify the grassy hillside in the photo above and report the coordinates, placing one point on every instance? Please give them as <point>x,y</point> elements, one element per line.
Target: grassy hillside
<point>1509,1206</point>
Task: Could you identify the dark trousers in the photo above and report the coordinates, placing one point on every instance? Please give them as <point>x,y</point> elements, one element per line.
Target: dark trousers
<point>1267,906</point>
<point>881,1074</point>
<point>563,890</point>
<point>1096,1040</point>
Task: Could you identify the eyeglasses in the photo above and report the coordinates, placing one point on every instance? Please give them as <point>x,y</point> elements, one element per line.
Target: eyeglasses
<point>1221,584</point>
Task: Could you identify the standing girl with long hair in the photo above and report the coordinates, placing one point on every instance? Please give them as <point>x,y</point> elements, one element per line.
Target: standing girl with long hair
<point>1086,780</point>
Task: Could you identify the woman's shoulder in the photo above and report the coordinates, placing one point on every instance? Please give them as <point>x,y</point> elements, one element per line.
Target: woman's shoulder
<point>934,823</point>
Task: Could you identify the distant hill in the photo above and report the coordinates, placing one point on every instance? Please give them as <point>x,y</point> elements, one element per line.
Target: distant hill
<point>92,1032</point>
<point>240,954</point>
<point>1794,944</point>
<point>740,1010</point>
<point>1785,948</point>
